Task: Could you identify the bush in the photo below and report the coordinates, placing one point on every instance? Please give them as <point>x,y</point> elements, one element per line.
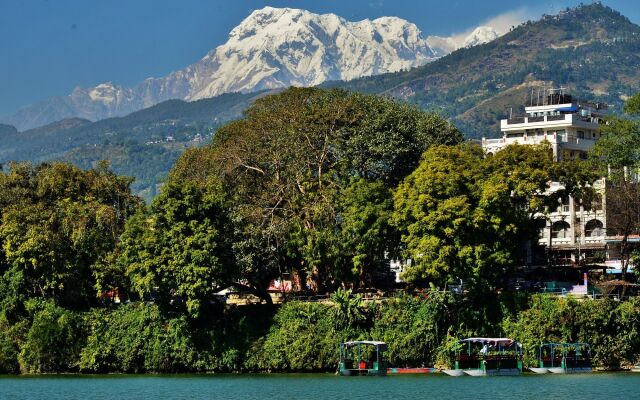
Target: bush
<point>612,329</point>
<point>8,350</point>
<point>135,338</point>
<point>305,337</point>
<point>413,328</point>
<point>54,340</point>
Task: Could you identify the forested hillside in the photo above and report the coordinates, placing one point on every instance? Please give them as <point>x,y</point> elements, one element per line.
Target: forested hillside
<point>592,50</point>
<point>143,144</point>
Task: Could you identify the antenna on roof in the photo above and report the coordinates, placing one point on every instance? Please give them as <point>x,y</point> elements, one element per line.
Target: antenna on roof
<point>531,101</point>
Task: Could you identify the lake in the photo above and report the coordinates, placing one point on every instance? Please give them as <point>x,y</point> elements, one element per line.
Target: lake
<point>624,385</point>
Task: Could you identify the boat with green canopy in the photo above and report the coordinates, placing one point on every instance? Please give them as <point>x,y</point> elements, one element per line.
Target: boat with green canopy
<point>486,356</point>
<point>563,358</point>
<point>362,357</point>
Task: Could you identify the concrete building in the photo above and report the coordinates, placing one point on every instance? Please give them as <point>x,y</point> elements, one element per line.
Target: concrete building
<point>575,233</point>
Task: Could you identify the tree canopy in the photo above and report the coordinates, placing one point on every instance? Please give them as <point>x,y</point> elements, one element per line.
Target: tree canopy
<point>58,226</point>
<point>464,216</point>
<point>181,249</point>
<point>298,167</point>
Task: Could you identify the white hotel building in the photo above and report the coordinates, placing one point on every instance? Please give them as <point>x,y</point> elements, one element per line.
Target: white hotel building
<point>575,233</point>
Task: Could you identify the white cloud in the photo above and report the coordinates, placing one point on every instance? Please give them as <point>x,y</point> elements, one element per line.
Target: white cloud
<point>501,23</point>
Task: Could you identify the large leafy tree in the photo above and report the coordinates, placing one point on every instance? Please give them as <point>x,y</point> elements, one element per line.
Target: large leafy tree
<point>289,168</point>
<point>367,237</point>
<point>59,225</point>
<point>465,216</point>
<point>180,250</point>
<point>435,209</point>
<point>617,156</point>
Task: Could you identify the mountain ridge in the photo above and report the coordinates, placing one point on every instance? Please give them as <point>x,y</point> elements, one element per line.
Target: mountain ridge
<point>271,48</point>
<point>143,144</point>
<point>592,50</point>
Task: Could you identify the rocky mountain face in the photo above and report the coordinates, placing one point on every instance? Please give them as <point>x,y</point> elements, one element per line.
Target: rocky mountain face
<point>271,48</point>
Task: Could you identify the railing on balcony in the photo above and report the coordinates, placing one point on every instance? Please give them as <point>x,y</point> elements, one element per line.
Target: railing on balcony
<point>494,141</point>
<point>522,120</point>
<point>575,140</point>
<point>517,120</point>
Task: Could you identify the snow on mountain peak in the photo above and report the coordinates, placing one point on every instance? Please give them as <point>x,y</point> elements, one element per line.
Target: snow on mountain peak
<point>445,45</point>
<point>480,35</point>
<point>270,48</point>
<point>276,47</point>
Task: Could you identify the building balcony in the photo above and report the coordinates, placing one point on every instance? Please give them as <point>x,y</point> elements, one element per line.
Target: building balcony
<point>554,120</point>
<point>575,143</point>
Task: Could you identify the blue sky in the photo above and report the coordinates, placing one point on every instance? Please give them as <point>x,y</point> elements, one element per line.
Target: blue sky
<point>48,47</point>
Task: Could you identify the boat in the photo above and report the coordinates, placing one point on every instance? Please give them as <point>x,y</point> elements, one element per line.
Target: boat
<point>564,358</point>
<point>453,372</point>
<point>486,356</point>
<point>411,370</point>
<point>362,357</point>
<point>635,368</point>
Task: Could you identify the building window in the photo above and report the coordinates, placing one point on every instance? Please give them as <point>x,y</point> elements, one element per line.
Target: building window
<point>560,230</point>
<point>594,228</point>
<point>564,204</point>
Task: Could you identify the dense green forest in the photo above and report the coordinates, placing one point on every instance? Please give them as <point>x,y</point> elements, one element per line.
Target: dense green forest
<point>324,186</point>
<point>144,144</point>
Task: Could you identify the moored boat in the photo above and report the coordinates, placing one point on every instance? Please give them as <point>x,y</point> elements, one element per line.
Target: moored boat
<point>453,372</point>
<point>362,357</point>
<point>411,370</point>
<point>539,370</point>
<point>564,358</point>
<point>486,356</point>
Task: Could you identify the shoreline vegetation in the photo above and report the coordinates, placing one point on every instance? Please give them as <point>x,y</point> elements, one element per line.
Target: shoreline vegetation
<point>304,336</point>
<point>323,186</point>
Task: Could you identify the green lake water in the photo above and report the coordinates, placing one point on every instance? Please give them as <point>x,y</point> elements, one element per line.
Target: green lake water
<point>321,386</point>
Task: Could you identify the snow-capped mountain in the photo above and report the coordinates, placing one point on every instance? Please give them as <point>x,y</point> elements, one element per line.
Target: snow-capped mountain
<point>480,35</point>
<point>271,48</point>
<point>442,46</point>
<point>275,47</point>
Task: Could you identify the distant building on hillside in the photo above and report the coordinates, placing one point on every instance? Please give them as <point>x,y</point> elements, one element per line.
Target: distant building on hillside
<point>575,233</point>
